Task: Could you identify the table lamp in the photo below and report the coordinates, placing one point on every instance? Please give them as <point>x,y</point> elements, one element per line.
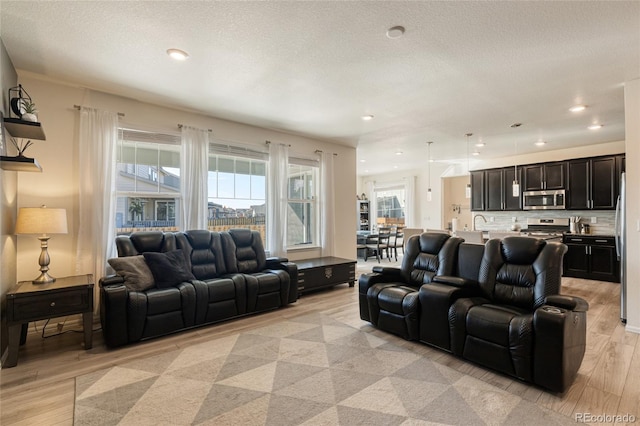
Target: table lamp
<point>43,221</point>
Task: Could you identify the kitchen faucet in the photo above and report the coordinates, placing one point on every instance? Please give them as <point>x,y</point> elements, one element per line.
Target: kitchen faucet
<point>475,228</point>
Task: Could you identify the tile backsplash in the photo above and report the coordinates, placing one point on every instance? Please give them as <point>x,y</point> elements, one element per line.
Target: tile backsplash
<point>502,221</point>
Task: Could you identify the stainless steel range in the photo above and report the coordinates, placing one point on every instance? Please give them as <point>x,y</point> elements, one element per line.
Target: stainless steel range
<point>547,229</point>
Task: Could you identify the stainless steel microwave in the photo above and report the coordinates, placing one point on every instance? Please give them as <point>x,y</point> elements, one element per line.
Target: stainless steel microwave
<point>544,200</point>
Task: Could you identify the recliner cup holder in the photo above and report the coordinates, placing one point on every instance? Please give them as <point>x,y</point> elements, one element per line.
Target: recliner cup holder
<point>552,310</point>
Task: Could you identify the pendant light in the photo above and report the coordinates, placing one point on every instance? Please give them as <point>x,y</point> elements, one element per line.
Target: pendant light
<point>467,192</point>
<point>515,186</point>
<point>429,196</point>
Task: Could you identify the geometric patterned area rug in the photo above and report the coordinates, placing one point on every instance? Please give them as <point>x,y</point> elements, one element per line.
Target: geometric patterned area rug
<point>309,370</point>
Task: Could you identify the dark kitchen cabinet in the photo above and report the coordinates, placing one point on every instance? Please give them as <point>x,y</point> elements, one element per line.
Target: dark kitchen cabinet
<point>592,183</point>
<point>499,193</point>
<point>591,257</point>
<point>477,180</point>
<point>538,177</point>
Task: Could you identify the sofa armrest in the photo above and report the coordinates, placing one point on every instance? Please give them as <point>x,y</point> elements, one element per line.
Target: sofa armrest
<point>391,273</point>
<point>274,260</point>
<point>281,263</point>
<point>113,313</point>
<point>366,281</point>
<point>435,300</point>
<point>455,281</point>
<point>572,303</point>
<point>111,280</point>
<point>559,345</point>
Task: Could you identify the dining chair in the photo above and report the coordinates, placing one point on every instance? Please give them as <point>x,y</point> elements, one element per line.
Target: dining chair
<point>380,245</point>
<point>396,241</point>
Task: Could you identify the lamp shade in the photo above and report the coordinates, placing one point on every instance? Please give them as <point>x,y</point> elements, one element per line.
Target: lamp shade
<point>41,220</point>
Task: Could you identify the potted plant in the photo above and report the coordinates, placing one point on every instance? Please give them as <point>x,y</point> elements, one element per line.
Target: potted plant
<point>29,111</point>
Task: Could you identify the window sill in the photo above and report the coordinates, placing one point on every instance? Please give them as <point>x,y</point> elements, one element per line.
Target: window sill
<point>304,248</point>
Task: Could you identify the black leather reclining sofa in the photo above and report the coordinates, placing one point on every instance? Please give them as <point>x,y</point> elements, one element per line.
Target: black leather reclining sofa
<point>198,277</point>
<point>498,305</point>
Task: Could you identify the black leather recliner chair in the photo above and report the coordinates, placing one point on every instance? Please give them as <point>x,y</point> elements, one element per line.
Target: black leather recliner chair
<point>389,296</point>
<point>520,324</point>
<point>269,281</point>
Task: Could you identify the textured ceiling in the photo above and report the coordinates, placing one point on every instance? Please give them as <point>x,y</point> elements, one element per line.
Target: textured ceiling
<point>314,68</point>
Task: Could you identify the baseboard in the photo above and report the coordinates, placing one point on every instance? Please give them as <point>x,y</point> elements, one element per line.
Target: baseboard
<point>632,329</point>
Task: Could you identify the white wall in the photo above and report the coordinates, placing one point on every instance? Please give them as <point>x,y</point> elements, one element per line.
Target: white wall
<point>632,135</point>
<point>8,200</point>
<point>57,185</point>
<point>428,214</point>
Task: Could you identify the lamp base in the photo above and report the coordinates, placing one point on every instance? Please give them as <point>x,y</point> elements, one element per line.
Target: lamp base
<point>44,278</point>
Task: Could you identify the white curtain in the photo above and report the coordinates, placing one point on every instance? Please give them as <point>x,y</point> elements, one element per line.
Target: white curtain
<point>194,166</point>
<point>410,216</point>
<point>96,193</point>
<point>327,205</point>
<point>277,205</point>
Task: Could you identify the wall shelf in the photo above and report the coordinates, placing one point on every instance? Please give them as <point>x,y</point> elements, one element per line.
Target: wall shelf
<point>24,129</point>
<point>20,164</point>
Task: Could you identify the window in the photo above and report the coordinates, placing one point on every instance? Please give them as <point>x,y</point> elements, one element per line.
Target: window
<point>390,203</point>
<point>237,181</point>
<point>147,181</point>
<point>302,227</point>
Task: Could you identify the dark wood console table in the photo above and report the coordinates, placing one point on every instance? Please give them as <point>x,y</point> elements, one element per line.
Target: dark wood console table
<point>321,272</point>
<point>28,302</point>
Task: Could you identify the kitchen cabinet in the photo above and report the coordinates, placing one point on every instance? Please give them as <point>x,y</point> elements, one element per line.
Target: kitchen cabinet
<point>477,180</point>
<point>538,177</point>
<point>499,193</point>
<point>591,257</point>
<point>592,183</point>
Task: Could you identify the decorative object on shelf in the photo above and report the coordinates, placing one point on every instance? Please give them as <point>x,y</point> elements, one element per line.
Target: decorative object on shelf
<point>429,196</point>
<point>21,147</point>
<point>467,191</point>
<point>363,197</point>
<point>18,98</point>
<point>43,221</point>
<point>29,111</point>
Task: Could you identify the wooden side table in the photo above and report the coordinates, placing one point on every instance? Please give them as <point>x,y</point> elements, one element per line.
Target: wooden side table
<point>33,302</point>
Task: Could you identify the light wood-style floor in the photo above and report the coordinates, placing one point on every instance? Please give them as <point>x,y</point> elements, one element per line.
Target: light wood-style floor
<point>40,390</point>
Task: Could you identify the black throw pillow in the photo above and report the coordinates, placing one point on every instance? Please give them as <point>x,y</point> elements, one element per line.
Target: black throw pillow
<point>169,269</point>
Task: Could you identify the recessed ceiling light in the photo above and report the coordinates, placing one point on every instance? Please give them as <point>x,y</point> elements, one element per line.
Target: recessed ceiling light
<point>480,144</point>
<point>431,160</point>
<point>395,32</point>
<point>475,153</point>
<point>367,117</point>
<point>595,127</point>
<point>540,143</point>
<point>514,125</point>
<point>363,161</point>
<point>578,108</point>
<point>177,54</point>
<point>399,153</point>
<point>395,167</point>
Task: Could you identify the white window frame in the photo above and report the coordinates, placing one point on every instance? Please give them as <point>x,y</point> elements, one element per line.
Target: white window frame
<point>310,201</point>
<point>126,137</point>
